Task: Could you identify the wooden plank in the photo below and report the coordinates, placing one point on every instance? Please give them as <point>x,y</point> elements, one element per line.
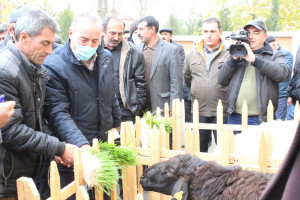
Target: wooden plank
<point>68,190</point>
<point>158,112</point>
<point>95,146</point>
<point>138,131</point>
<point>219,121</point>
<point>26,189</point>
<point>178,121</point>
<point>163,137</point>
<point>81,193</point>
<point>262,156</point>
<point>98,193</point>
<point>224,154</point>
<point>164,153</point>
<point>189,148</point>
<point>143,151</point>
<point>166,110</point>
<point>139,174</point>
<point>78,169</point>
<point>144,160</point>
<point>245,116</point>
<point>270,112</point>
<point>54,181</point>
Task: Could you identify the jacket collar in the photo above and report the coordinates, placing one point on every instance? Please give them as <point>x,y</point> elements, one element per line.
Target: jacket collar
<point>200,48</point>
<point>31,69</point>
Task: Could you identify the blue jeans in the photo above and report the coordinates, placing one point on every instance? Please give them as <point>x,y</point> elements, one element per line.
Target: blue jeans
<point>290,112</point>
<point>235,118</point>
<point>282,108</point>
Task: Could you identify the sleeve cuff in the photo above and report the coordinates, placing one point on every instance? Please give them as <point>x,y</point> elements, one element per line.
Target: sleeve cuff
<point>258,63</point>
<point>61,149</point>
<point>232,62</point>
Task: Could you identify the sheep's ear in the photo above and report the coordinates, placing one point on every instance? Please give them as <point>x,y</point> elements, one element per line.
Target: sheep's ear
<point>181,185</point>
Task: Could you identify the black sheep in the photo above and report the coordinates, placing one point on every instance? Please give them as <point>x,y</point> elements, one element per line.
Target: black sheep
<point>202,180</point>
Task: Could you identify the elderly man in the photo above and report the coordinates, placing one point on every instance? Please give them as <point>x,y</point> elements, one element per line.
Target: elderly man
<point>80,102</point>
<point>23,80</point>
<point>201,75</point>
<point>128,64</point>
<point>253,77</point>
<point>162,66</point>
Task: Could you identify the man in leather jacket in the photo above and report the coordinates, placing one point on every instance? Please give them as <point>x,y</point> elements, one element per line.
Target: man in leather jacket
<point>128,64</point>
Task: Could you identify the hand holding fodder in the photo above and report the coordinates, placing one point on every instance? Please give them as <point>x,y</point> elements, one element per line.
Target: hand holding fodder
<point>101,168</point>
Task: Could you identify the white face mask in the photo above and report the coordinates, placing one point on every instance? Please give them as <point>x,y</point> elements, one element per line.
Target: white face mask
<point>136,39</point>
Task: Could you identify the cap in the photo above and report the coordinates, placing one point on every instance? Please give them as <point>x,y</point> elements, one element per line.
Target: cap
<point>166,30</point>
<point>259,24</point>
<point>18,12</point>
<point>270,39</point>
<point>126,31</point>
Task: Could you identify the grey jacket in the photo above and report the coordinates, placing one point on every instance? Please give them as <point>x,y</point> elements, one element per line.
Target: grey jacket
<point>23,139</point>
<point>166,75</point>
<point>270,70</point>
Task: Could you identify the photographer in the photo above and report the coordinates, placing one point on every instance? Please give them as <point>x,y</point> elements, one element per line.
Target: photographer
<point>253,77</point>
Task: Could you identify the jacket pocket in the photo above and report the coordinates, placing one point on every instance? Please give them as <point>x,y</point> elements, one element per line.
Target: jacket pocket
<point>132,96</point>
<point>75,102</point>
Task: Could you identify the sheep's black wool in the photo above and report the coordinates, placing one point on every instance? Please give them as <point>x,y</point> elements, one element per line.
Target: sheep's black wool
<point>201,180</point>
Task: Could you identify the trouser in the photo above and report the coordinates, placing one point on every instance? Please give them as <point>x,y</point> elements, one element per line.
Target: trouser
<point>282,108</point>
<point>236,118</point>
<point>188,111</point>
<point>290,112</point>
<point>205,135</point>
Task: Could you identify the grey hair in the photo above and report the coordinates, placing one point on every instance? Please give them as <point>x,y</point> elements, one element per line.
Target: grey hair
<point>90,16</point>
<point>33,22</point>
<point>109,17</point>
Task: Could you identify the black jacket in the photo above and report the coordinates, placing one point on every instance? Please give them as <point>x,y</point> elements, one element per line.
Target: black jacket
<point>270,70</point>
<point>75,107</point>
<point>133,77</point>
<point>23,139</point>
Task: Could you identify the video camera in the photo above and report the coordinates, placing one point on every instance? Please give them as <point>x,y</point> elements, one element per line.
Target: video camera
<point>238,49</point>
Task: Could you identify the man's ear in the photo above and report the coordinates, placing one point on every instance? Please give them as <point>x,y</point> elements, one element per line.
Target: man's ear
<point>24,37</point>
<point>181,185</point>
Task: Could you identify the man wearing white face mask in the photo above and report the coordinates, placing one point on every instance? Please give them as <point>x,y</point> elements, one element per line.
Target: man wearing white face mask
<point>80,100</point>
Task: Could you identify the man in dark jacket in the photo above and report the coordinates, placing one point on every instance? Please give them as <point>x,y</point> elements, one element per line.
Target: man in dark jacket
<point>294,88</point>
<point>128,64</point>
<point>80,102</point>
<point>254,78</point>
<point>23,80</point>
<point>283,86</point>
<point>167,35</point>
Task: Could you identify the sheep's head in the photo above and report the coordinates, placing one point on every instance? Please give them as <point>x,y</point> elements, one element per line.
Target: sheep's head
<point>167,177</point>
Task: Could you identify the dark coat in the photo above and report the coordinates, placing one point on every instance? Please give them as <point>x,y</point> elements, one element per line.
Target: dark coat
<point>75,107</point>
<point>285,183</point>
<point>270,70</point>
<point>294,86</point>
<point>23,139</point>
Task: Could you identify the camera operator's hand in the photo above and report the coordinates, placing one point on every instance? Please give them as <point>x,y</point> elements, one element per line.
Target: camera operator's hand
<point>250,57</point>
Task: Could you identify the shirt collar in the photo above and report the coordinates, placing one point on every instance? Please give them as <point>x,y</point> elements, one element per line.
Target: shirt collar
<point>154,47</point>
<point>215,49</point>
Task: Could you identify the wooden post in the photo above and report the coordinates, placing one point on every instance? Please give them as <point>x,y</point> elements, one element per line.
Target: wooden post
<point>189,148</point>
<point>138,131</point>
<point>270,113</point>
<point>224,155</point>
<point>269,145</point>
<point>219,121</point>
<point>26,189</point>
<point>244,116</point>
<point>78,171</point>
<point>81,193</point>
<point>262,155</point>
<point>177,132</point>
<point>196,135</point>
<point>230,145</point>
<point>129,174</point>
<point>154,157</point>
<point>166,110</point>
<point>173,123</point>
<point>158,112</point>
<point>54,182</point>
<point>98,191</point>
<point>163,137</point>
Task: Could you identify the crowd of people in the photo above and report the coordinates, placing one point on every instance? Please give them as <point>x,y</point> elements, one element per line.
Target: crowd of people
<point>57,98</point>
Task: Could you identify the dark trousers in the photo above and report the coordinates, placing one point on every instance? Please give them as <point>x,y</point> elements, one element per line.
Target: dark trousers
<point>188,111</point>
<point>205,135</point>
<point>282,108</point>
